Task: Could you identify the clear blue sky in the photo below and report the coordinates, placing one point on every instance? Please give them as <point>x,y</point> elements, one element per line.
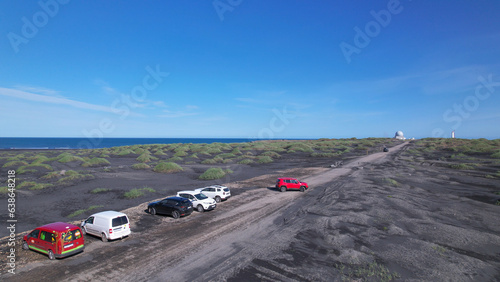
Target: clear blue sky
<point>241,68</point>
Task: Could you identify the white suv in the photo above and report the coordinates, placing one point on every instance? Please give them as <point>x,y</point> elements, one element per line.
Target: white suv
<point>200,201</point>
<point>216,192</point>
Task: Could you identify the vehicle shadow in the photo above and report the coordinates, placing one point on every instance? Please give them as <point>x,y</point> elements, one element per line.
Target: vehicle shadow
<point>273,188</point>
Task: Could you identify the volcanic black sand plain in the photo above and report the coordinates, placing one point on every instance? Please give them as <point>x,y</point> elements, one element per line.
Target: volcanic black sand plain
<point>426,210</point>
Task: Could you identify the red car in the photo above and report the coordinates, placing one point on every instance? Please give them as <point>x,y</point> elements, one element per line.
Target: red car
<point>287,183</point>
<point>57,240</point>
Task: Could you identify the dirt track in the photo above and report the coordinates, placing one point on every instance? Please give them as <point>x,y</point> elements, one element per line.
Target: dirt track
<point>349,225</point>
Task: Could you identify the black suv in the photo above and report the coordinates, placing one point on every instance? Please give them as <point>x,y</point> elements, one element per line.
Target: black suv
<point>174,206</point>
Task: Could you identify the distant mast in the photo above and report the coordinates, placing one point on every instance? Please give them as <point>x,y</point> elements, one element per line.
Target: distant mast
<point>453,134</point>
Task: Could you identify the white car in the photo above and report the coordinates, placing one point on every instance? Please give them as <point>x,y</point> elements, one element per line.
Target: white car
<point>216,192</point>
<point>200,201</point>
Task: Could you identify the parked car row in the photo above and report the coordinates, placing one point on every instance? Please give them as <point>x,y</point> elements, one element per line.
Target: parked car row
<point>183,204</point>
<point>60,239</point>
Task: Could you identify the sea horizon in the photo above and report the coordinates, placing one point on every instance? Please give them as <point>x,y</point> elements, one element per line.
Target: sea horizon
<point>46,143</point>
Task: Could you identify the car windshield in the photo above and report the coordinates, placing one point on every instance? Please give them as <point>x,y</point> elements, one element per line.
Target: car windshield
<point>226,189</point>
<point>201,196</point>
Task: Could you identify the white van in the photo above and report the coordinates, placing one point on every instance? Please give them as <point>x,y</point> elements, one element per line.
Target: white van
<point>109,225</point>
<point>200,202</point>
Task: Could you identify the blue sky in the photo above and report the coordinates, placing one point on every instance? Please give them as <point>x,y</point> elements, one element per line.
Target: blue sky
<point>249,69</point>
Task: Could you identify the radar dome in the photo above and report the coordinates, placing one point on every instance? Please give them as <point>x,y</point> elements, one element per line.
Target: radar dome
<point>399,135</point>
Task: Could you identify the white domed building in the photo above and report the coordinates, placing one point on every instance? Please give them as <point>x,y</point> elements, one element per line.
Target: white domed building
<point>399,135</point>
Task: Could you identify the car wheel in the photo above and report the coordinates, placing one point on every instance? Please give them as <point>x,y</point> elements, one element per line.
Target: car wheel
<point>217,199</point>
<point>51,255</point>
<point>302,188</point>
<point>103,237</point>
<point>175,214</point>
<point>25,245</point>
<point>84,231</point>
<point>152,211</point>
<point>283,188</point>
<point>200,208</point>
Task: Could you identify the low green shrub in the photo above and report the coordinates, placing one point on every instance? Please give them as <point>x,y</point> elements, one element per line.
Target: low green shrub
<point>167,167</point>
<point>24,169</point>
<point>226,155</point>
<point>96,162</point>
<point>159,152</point>
<point>392,182</point>
<point>146,157</point>
<point>40,186</point>
<point>135,193</point>
<point>15,163</point>
<point>17,157</point>
<point>463,166</point>
<point>140,166</point>
<point>46,166</point>
<point>67,157</point>
<point>51,175</point>
<point>180,154</point>
<point>271,154</point>
<point>124,152</point>
<point>175,159</point>
<point>212,161</point>
<point>139,151</point>
<point>79,212</point>
<point>38,159</point>
<point>71,177</point>
<point>26,184</point>
<point>100,190</point>
<point>264,159</point>
<point>213,173</point>
<point>246,161</point>
<point>236,151</point>
<point>300,147</point>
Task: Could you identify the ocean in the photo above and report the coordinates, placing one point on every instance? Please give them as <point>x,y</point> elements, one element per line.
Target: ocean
<point>86,143</point>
